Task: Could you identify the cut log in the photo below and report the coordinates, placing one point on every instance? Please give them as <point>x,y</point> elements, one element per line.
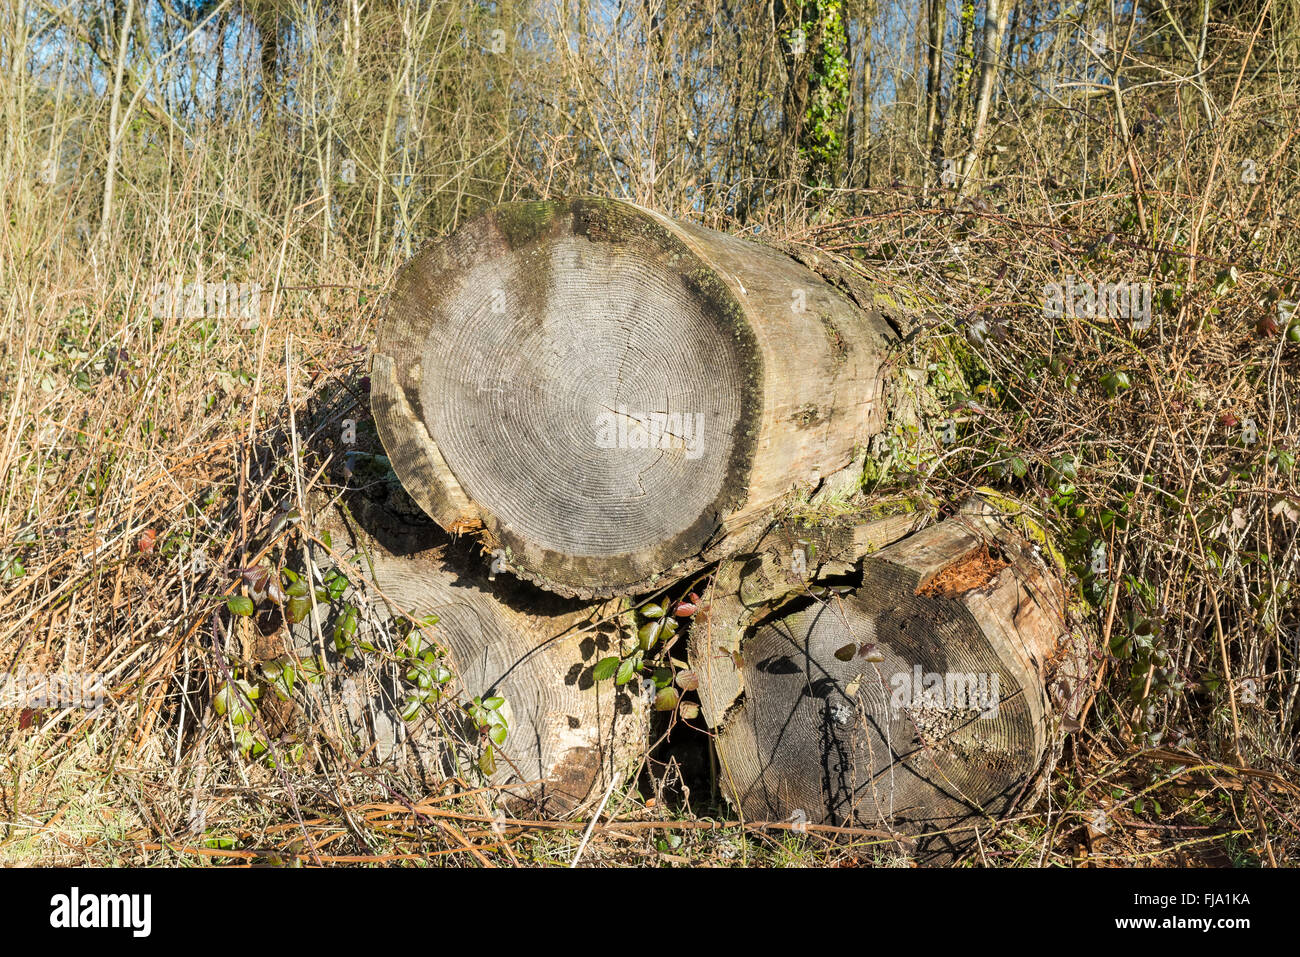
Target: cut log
<point>567,737</point>
<point>928,698</point>
<point>615,398</point>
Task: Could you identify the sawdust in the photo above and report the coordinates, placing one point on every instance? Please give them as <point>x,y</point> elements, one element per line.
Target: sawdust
<point>977,569</point>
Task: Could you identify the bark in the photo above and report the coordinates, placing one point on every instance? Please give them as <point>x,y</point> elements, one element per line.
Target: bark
<point>965,67</point>
<point>115,126</point>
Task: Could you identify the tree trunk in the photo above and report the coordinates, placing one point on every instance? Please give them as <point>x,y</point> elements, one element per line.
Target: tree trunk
<point>938,11</point>
<point>567,735</point>
<point>614,398</point>
<point>995,25</point>
<point>959,110</point>
<point>927,699</point>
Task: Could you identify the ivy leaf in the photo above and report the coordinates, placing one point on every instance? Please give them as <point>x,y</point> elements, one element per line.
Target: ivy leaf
<point>335,586</point>
<point>346,626</point>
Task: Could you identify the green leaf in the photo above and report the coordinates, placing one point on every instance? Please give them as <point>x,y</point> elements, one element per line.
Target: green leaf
<point>648,635</point>
<point>230,701</point>
<point>346,626</point>
<point>652,610</point>
<point>311,669</point>
<point>627,670</point>
<point>240,605</point>
<point>297,609</point>
<point>1115,382</point>
<point>336,585</point>
<point>605,668</point>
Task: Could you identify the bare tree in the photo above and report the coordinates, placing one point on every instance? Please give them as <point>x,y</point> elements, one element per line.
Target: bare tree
<point>995,26</point>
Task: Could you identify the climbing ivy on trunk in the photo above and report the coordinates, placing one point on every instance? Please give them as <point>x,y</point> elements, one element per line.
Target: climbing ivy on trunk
<point>814,44</point>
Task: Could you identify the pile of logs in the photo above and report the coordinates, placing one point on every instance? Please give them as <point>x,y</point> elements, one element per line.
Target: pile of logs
<point>596,406</point>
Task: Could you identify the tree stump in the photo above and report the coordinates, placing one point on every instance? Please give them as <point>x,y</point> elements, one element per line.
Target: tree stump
<point>614,398</point>
<point>923,696</point>
<point>567,737</point>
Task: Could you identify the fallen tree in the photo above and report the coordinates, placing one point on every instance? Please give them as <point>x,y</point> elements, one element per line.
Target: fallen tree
<point>613,398</point>
<point>865,666</point>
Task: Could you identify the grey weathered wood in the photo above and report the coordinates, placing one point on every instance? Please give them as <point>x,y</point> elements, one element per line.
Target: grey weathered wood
<point>568,736</point>
<point>860,742</point>
<point>512,354</point>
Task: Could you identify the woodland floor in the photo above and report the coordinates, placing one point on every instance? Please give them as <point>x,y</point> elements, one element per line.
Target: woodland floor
<point>1168,452</point>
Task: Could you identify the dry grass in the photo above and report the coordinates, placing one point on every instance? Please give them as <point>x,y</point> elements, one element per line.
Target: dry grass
<point>132,440</point>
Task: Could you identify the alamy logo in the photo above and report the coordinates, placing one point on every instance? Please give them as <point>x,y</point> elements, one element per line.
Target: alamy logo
<point>948,691</point>
<point>622,429</point>
<point>74,910</point>
<point>1107,300</point>
<point>28,688</point>
<point>208,300</point>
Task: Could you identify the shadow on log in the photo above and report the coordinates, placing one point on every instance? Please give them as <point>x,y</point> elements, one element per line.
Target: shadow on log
<point>567,737</point>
